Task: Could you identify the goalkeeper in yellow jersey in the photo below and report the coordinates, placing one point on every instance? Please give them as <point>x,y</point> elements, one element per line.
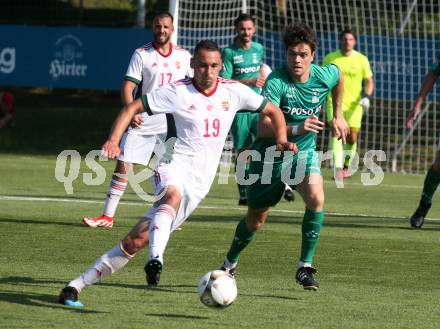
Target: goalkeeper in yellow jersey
<point>357,74</point>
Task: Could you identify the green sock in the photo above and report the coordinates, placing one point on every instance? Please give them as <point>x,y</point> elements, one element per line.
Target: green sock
<point>241,239</point>
<point>350,152</point>
<point>311,228</point>
<point>432,180</point>
<point>338,153</point>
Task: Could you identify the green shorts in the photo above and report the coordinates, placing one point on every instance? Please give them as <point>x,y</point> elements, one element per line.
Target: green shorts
<point>274,174</point>
<point>244,129</point>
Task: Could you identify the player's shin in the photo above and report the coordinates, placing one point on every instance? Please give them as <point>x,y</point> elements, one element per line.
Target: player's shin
<point>160,230</point>
<point>338,152</point>
<point>108,263</point>
<point>311,230</point>
<point>430,185</point>
<point>350,153</point>
<point>241,239</point>
<point>114,194</point>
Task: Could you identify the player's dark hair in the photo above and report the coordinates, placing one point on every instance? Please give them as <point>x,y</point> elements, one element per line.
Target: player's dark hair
<point>345,31</point>
<point>300,33</point>
<point>208,45</point>
<point>243,17</point>
<point>162,15</point>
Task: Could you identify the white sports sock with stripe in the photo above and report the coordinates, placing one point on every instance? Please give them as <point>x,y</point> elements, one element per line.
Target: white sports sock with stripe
<point>160,230</point>
<point>114,194</point>
<point>108,263</point>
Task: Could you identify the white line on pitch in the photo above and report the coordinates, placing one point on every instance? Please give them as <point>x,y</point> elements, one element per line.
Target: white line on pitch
<point>143,203</point>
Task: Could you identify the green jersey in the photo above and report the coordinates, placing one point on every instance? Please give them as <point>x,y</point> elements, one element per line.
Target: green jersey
<point>239,63</point>
<point>297,100</point>
<point>436,68</point>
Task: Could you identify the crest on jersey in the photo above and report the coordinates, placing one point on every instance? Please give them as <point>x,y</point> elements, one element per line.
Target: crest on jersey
<point>210,107</point>
<point>178,65</point>
<point>225,105</point>
<point>255,58</point>
<point>165,64</point>
<point>315,97</point>
<point>291,92</point>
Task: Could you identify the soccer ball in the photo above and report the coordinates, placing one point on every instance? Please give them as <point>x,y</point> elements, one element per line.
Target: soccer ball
<point>217,289</point>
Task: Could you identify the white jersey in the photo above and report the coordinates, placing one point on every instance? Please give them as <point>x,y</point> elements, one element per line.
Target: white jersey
<point>202,123</point>
<point>153,69</point>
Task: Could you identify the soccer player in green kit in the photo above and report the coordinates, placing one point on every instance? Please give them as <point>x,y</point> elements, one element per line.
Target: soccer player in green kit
<point>432,179</point>
<point>242,61</point>
<point>299,88</point>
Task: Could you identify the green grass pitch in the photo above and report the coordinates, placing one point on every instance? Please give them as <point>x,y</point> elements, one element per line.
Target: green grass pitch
<point>374,271</point>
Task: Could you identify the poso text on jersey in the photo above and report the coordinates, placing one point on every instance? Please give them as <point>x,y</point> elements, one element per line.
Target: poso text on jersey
<point>300,111</point>
<point>244,70</point>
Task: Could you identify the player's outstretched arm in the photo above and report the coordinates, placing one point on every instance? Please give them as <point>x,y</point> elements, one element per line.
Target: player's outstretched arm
<point>427,86</point>
<point>111,146</point>
<point>339,125</point>
<point>279,127</point>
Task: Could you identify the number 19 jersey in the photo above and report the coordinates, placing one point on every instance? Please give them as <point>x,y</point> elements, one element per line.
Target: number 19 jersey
<point>202,124</point>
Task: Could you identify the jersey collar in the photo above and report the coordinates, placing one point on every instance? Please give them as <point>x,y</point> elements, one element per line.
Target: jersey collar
<point>212,92</point>
<point>161,53</point>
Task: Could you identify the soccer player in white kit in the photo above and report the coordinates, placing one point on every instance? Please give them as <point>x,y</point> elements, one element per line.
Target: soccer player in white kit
<point>204,108</point>
<point>154,65</point>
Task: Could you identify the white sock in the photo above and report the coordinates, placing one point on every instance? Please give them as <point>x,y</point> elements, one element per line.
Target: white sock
<point>114,194</point>
<point>160,230</point>
<point>287,187</point>
<point>108,263</point>
<point>302,264</point>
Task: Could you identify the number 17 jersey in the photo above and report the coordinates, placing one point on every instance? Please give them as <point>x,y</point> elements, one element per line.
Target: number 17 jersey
<point>154,69</point>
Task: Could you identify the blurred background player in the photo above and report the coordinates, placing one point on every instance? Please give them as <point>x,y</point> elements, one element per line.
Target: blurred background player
<point>243,61</point>
<point>7,108</point>
<point>432,178</point>
<point>154,65</point>
<point>184,181</point>
<point>356,70</point>
<point>300,88</point>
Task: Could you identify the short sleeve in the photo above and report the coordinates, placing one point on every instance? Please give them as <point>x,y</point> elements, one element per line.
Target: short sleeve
<point>367,73</point>
<point>161,100</point>
<point>134,71</point>
<point>272,90</point>
<point>227,69</point>
<point>248,99</point>
<point>330,75</point>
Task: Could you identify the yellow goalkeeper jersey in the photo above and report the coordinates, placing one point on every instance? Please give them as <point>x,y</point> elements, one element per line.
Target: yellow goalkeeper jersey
<point>355,68</point>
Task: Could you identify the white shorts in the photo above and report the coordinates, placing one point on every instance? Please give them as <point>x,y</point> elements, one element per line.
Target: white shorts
<point>171,175</point>
<point>139,148</point>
